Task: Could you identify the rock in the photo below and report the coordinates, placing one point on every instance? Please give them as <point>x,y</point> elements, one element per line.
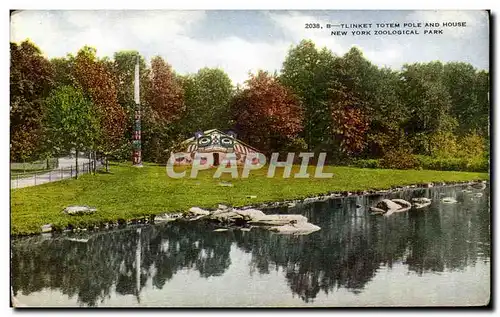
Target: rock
<point>196,217</point>
<point>405,205</point>
<point>166,217</point>
<point>78,240</point>
<point>478,186</point>
<point>279,220</point>
<point>46,228</point>
<point>449,200</point>
<point>421,200</point>
<point>301,228</point>
<point>478,195</point>
<point>196,211</point>
<point>310,200</point>
<point>250,214</point>
<point>222,207</point>
<point>291,205</point>
<point>220,230</point>
<point>387,206</point>
<point>428,185</point>
<point>226,216</point>
<point>79,210</point>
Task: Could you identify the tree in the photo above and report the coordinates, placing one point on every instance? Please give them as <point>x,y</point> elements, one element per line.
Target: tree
<point>71,120</point>
<point>481,120</point>
<point>309,74</point>
<point>31,78</point>
<point>94,78</point>
<point>349,124</point>
<point>427,101</point>
<point>164,108</point>
<point>207,97</point>
<point>267,114</point>
<point>63,70</point>
<point>386,112</point>
<point>468,90</point>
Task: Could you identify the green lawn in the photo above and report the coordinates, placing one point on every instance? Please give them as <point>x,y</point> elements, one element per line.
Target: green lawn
<point>129,192</point>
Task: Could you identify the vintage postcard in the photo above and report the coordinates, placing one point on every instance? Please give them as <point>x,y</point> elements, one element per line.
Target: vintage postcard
<point>246,158</point>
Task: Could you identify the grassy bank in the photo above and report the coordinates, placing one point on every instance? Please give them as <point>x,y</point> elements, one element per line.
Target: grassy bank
<point>129,192</point>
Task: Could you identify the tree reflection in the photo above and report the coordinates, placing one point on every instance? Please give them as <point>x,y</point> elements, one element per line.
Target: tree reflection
<point>346,253</point>
<point>90,269</point>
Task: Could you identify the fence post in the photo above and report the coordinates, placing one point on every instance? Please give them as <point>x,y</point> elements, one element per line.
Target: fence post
<point>71,171</point>
<point>49,176</point>
<point>60,169</point>
<point>35,179</point>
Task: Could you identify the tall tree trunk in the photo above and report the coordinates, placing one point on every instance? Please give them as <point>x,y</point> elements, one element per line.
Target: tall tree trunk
<point>94,153</point>
<point>76,160</point>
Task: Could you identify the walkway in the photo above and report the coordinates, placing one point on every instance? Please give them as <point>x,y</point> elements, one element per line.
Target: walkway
<point>65,170</point>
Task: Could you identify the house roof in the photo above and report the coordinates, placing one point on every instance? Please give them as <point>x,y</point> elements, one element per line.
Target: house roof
<point>191,139</point>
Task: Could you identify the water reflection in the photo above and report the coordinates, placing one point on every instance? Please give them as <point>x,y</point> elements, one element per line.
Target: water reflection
<point>347,253</point>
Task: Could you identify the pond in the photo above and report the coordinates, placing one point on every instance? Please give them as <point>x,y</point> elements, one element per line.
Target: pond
<point>435,256</point>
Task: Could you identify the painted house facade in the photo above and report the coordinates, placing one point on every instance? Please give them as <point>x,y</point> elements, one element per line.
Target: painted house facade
<point>213,146</point>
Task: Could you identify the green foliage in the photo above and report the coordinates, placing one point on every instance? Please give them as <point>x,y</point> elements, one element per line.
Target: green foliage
<point>309,73</point>
<point>443,144</point>
<point>452,164</point>
<point>399,158</point>
<point>31,78</point>
<point>207,96</point>
<point>472,146</point>
<point>71,120</point>
<point>367,163</point>
<point>347,106</point>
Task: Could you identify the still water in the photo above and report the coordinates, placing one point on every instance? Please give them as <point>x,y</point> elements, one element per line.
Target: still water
<point>436,256</point>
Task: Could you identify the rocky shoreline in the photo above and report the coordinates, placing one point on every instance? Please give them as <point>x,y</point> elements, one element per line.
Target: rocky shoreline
<point>48,229</point>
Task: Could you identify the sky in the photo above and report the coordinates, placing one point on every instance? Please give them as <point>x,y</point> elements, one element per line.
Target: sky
<point>245,41</point>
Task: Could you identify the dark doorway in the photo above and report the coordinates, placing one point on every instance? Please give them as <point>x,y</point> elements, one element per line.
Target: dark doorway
<point>216,159</point>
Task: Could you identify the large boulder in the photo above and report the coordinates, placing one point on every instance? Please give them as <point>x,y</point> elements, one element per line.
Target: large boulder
<point>197,211</point>
<point>251,214</point>
<point>279,220</point>
<point>225,216</point>
<point>301,228</point>
<point>79,210</point>
<point>388,206</point>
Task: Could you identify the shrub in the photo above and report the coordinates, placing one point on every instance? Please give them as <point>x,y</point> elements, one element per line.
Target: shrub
<point>370,163</point>
<point>472,146</point>
<point>443,144</point>
<point>452,164</point>
<point>400,158</point>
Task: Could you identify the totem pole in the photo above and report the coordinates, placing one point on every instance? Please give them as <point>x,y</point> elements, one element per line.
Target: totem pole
<point>136,137</point>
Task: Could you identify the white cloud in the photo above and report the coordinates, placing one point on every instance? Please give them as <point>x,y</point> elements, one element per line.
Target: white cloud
<point>167,33</point>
